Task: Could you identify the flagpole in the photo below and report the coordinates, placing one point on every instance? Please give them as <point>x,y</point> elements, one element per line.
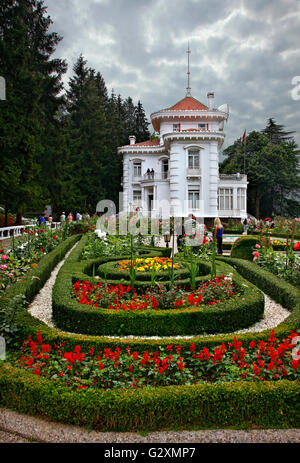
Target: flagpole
<point>245,153</point>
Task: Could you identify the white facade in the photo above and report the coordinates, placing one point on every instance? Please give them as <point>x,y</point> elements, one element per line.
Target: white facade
<point>183,163</point>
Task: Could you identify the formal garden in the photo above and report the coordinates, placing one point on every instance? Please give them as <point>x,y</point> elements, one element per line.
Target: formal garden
<point>144,339</point>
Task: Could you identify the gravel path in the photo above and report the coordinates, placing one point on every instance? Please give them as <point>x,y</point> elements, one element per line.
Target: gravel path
<point>41,308</point>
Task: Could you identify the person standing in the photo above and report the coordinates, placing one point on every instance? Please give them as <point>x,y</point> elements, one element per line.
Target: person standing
<point>70,217</point>
<point>42,220</point>
<point>218,234</point>
<point>246,225</point>
<point>63,217</point>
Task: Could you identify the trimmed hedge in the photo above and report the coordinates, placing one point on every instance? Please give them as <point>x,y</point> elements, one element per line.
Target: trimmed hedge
<point>242,404</point>
<point>114,274</point>
<point>281,291</point>
<point>238,404</point>
<point>71,316</point>
<point>35,278</point>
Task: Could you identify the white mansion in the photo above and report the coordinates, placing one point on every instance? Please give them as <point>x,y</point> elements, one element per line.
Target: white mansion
<point>177,173</point>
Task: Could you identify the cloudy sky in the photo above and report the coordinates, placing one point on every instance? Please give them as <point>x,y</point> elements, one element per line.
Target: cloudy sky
<point>246,51</point>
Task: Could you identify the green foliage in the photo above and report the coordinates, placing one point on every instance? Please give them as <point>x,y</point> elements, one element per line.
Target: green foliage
<point>272,170</point>
<point>243,247</point>
<point>265,405</point>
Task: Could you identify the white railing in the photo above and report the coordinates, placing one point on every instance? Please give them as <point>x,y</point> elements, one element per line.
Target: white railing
<point>156,176</point>
<point>17,230</point>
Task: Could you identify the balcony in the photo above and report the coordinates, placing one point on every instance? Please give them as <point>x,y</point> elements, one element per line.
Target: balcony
<point>193,173</point>
<point>233,177</point>
<point>155,176</point>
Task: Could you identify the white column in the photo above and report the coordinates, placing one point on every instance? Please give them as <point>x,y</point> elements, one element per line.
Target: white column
<point>213,179</point>
<point>234,201</point>
<point>177,167</point>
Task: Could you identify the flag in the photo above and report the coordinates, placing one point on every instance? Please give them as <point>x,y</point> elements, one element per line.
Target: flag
<point>244,136</point>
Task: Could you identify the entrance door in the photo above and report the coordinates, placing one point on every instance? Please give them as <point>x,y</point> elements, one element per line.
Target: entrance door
<point>150,202</point>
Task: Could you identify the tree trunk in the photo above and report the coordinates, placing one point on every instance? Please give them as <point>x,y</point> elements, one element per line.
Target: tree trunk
<point>19,218</point>
<point>5,224</point>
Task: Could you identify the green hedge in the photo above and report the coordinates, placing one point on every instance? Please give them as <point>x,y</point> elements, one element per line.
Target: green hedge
<point>112,273</point>
<point>281,291</point>
<point>71,316</point>
<point>35,279</point>
<point>242,404</point>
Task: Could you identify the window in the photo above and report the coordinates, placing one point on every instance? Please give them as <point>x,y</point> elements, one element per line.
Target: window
<point>194,197</point>
<point>137,169</point>
<point>241,199</point>
<point>225,199</point>
<point>137,196</point>
<point>193,159</point>
<point>176,127</point>
<point>202,126</point>
<point>165,168</point>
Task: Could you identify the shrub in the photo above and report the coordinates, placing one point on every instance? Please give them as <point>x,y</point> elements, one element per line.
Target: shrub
<point>243,247</point>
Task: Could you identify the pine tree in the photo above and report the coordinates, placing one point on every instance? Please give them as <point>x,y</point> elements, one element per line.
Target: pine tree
<point>141,124</point>
<point>33,82</point>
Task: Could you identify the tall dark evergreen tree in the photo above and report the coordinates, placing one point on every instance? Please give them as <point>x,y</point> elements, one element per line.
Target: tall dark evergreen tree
<point>33,83</point>
<point>141,124</point>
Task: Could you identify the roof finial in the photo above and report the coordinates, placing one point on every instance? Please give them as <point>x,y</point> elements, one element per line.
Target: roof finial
<point>188,89</point>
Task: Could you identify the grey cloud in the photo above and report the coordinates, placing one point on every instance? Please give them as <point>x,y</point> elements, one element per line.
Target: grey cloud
<point>248,58</point>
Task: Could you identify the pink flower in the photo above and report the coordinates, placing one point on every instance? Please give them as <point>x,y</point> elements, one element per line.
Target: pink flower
<point>256,254</point>
<point>257,246</point>
<point>255,258</point>
<point>11,275</point>
<point>4,257</point>
<point>3,267</point>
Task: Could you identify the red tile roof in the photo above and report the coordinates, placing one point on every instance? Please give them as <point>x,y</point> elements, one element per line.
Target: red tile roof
<point>146,143</point>
<point>188,103</point>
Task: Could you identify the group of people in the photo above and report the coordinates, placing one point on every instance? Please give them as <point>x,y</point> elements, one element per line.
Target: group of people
<point>200,229</point>
<point>70,217</point>
<point>150,173</point>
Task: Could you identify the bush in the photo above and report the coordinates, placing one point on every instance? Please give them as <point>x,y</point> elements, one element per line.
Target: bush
<point>243,247</point>
<point>242,404</point>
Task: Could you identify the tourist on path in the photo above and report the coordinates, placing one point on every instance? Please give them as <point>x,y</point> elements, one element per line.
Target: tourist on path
<point>218,234</point>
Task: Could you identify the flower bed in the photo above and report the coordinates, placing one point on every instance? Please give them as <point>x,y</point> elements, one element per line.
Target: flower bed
<point>120,297</point>
<point>145,264</point>
<point>70,315</point>
<point>251,403</point>
<point>32,246</point>
<point>116,369</point>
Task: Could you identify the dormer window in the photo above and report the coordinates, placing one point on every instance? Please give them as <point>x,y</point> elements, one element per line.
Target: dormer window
<point>176,127</point>
<point>203,126</point>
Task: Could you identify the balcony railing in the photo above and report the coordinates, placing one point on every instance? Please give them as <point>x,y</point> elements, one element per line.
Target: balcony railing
<point>193,172</point>
<point>156,176</point>
<point>231,177</point>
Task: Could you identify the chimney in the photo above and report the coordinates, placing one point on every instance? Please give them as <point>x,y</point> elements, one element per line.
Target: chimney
<point>210,98</point>
<point>132,139</point>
